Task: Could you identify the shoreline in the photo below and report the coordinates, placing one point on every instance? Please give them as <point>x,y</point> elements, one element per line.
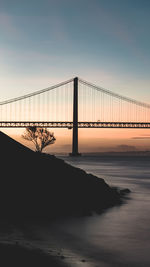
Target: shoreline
<point>49,188</point>
<point>61,189</point>
<point>19,255</point>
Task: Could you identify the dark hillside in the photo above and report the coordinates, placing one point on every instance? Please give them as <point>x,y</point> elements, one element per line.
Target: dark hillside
<point>40,185</point>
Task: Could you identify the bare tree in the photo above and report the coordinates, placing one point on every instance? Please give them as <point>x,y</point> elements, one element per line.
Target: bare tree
<point>40,137</point>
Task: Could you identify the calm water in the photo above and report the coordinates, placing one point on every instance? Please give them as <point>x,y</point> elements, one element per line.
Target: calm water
<point>120,236</point>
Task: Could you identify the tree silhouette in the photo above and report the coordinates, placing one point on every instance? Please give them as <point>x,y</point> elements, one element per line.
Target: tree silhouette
<point>40,137</point>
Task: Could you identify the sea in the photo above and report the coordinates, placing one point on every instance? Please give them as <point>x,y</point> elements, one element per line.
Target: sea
<point>116,238</point>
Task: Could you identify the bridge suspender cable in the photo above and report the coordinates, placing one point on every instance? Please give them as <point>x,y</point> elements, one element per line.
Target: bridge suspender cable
<point>35,93</point>
<point>95,105</point>
<point>98,88</point>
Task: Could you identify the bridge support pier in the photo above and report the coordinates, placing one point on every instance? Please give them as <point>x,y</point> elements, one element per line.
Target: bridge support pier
<point>75,120</point>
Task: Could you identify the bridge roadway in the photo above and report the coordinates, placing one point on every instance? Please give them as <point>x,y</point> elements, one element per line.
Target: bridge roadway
<point>69,124</point>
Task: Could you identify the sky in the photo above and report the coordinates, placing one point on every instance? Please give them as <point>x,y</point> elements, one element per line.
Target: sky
<point>103,41</point>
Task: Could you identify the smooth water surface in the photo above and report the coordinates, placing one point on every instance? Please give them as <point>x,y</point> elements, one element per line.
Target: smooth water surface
<point>118,237</point>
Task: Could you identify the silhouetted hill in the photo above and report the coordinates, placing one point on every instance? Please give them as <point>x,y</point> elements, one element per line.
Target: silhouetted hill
<point>40,185</point>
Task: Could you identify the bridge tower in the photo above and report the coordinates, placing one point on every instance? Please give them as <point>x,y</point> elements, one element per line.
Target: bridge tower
<point>75,119</point>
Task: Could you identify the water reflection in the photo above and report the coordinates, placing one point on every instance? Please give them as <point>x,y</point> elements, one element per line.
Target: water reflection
<point>117,238</point>
<point>121,236</point>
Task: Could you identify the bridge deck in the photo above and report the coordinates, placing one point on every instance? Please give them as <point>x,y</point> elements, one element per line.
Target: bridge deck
<point>69,125</point>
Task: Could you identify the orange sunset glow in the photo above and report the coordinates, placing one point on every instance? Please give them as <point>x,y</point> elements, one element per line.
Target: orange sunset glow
<point>94,140</point>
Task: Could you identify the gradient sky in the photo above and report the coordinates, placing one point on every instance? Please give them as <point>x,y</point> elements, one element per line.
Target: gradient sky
<point>103,41</point>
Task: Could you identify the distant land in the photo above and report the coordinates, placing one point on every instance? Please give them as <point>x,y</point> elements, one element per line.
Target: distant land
<point>111,153</point>
<point>125,153</point>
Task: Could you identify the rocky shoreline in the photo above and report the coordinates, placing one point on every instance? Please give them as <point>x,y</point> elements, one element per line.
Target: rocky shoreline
<point>17,255</point>
<point>42,186</point>
<point>36,187</point>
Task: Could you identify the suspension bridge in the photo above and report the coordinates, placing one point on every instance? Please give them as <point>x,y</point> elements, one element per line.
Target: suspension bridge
<point>74,104</point>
